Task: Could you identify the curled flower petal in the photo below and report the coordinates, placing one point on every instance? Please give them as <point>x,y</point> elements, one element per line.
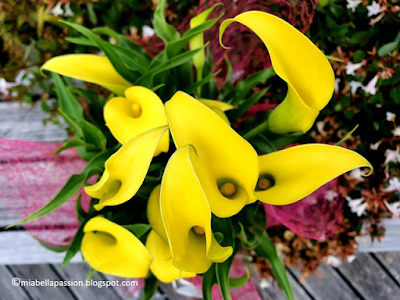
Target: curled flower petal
<point>297,61</point>
<point>187,216</point>
<point>162,266</point>
<point>88,67</point>
<point>154,212</point>
<point>298,171</point>
<point>223,155</point>
<point>112,249</point>
<point>223,106</point>
<point>126,169</point>
<point>139,111</point>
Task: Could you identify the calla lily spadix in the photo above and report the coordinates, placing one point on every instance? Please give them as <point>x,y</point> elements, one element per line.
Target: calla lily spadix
<point>226,165</point>
<point>140,111</point>
<point>291,174</point>
<point>112,249</point>
<point>297,61</point>
<point>126,169</point>
<point>186,216</point>
<point>90,68</point>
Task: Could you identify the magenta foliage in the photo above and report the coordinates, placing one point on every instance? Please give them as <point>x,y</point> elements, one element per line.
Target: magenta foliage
<point>317,216</point>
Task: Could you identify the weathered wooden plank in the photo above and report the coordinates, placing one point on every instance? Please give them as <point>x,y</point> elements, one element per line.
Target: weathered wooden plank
<point>391,241</point>
<point>331,286</point>
<point>270,290</point>
<point>366,276</point>
<point>18,247</point>
<point>42,272</point>
<point>78,272</point>
<point>7,290</point>
<point>391,262</point>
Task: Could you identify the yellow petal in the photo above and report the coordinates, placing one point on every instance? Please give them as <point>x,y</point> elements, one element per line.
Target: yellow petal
<point>139,111</point>
<point>297,61</point>
<point>223,155</point>
<point>88,67</point>
<point>217,104</point>
<point>184,206</point>
<point>300,170</point>
<point>112,249</point>
<point>161,265</point>
<point>154,212</point>
<point>126,169</point>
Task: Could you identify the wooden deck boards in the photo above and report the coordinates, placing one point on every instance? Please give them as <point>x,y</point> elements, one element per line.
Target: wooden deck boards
<point>371,276</point>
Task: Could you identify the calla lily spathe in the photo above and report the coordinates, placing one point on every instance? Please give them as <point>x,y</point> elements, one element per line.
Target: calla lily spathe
<point>90,68</point>
<point>297,61</point>
<point>126,169</point>
<point>186,216</point>
<point>140,111</point>
<point>298,171</point>
<point>112,249</point>
<point>223,155</point>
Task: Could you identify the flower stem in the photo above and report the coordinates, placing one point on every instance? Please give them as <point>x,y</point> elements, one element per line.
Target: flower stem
<point>256,130</point>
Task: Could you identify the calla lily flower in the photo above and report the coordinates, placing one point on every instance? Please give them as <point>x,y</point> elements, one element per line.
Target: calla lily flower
<point>291,174</point>
<point>112,249</point>
<point>297,61</point>
<point>126,169</point>
<point>161,265</point>
<point>186,216</point>
<point>218,107</point>
<point>226,165</point>
<point>88,67</point>
<point>154,212</point>
<point>140,111</point>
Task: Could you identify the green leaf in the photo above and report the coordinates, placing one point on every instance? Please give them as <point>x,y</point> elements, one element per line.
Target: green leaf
<point>66,100</point>
<point>395,94</point>
<point>164,30</point>
<point>209,279</point>
<point>266,249</point>
<point>108,50</point>
<point>347,136</point>
<point>138,229</point>
<point>240,281</point>
<point>92,14</point>
<point>81,41</point>
<point>90,273</point>
<point>57,249</point>
<point>238,112</point>
<point>263,144</point>
<point>74,247</point>
<point>108,32</point>
<point>147,79</point>
<point>222,272</point>
<point>191,88</point>
<point>252,221</point>
<point>387,48</point>
<point>150,287</point>
<point>80,213</point>
<point>70,144</point>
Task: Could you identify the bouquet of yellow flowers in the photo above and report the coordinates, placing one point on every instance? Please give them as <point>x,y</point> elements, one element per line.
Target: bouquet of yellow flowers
<point>178,188</point>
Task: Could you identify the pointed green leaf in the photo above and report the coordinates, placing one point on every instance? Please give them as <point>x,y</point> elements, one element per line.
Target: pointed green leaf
<point>150,287</point>
<point>191,88</point>
<point>70,144</point>
<point>74,247</point>
<point>66,100</point>
<point>209,279</point>
<point>240,281</point>
<point>163,30</point>
<point>138,229</point>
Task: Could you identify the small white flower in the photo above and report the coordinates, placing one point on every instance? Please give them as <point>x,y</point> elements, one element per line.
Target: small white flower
<point>352,4</point>
<point>147,32</point>
<point>357,174</point>
<point>386,74</point>
<point>376,145</point>
<point>68,12</point>
<point>370,87</point>
<point>394,208</point>
<point>396,131</point>
<point>264,284</point>
<point>373,9</point>
<point>357,206</point>
<point>331,195</point>
<point>392,156</point>
<point>333,261</point>
<point>351,258</point>
<point>351,68</point>
<point>14,94</point>
<point>394,185</point>
<point>337,81</point>
<point>354,86</point>
<point>24,78</point>
<point>57,10</point>
<point>390,117</point>
<point>4,86</point>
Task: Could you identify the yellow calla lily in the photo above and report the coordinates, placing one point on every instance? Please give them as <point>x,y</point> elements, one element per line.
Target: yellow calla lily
<point>214,104</point>
<point>297,61</point>
<point>126,169</point>
<point>88,67</point>
<point>154,212</point>
<point>291,174</point>
<point>112,249</point>
<point>226,164</point>
<point>139,111</point>
<point>162,266</point>
<point>186,216</point>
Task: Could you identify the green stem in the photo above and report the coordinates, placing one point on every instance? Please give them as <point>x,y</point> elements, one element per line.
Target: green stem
<point>198,78</point>
<point>256,130</point>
